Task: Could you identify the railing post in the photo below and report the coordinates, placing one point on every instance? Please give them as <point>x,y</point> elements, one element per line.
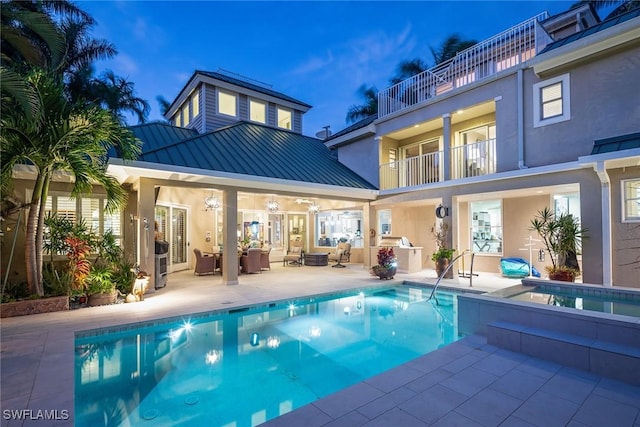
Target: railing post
<point>446,146</point>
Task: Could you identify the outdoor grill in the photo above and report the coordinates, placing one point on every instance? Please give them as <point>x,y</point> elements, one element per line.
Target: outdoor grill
<point>409,257</point>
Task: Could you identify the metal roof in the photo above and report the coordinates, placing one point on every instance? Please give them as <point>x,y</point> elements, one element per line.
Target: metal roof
<point>592,30</point>
<point>250,149</point>
<point>357,125</point>
<point>618,143</point>
<point>159,134</point>
<point>249,85</point>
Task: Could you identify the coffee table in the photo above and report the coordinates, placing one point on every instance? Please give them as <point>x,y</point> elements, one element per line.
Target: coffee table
<point>319,259</point>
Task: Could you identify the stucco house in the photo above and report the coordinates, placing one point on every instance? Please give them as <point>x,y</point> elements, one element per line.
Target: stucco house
<point>544,114</point>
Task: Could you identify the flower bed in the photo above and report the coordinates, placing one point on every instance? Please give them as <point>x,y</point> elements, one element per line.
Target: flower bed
<point>34,306</point>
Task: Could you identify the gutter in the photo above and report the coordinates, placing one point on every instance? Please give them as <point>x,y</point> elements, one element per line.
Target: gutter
<point>520,118</point>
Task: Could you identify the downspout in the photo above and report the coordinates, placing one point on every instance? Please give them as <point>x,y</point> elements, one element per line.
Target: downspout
<point>520,119</point>
<point>607,258</point>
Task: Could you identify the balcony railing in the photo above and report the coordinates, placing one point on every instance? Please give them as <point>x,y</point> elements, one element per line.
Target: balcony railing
<point>474,159</point>
<point>505,50</point>
<point>467,161</point>
<point>412,171</point>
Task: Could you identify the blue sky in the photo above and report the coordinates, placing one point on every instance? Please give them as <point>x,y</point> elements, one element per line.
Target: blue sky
<point>317,52</point>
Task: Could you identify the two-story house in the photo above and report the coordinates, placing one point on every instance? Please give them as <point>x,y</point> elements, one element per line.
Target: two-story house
<point>546,113</point>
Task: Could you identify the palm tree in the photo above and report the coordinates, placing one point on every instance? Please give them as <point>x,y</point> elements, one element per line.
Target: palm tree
<point>118,96</point>
<point>450,47</point>
<point>70,137</point>
<point>164,104</point>
<point>619,6</point>
<point>370,107</point>
<point>447,50</point>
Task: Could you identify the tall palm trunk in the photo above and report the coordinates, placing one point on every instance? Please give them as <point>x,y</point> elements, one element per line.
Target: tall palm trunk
<point>34,273</point>
<point>40,228</point>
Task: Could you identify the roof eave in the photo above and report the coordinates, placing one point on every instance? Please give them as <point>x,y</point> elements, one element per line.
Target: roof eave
<point>626,33</point>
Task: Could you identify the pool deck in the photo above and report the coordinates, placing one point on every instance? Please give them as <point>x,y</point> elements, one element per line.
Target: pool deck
<point>467,383</point>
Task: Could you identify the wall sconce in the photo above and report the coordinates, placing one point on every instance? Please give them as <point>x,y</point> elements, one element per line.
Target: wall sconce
<point>314,208</point>
<point>442,211</point>
<point>273,206</point>
<point>211,203</point>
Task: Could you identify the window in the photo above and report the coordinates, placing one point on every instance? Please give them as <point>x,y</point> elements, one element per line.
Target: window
<point>486,226</point>
<point>284,118</point>
<point>185,115</point>
<point>384,221</point>
<point>631,200</point>
<point>89,210</point>
<point>227,104</point>
<point>333,227</point>
<point>257,111</point>
<point>551,101</point>
<point>176,120</point>
<point>392,158</point>
<point>195,104</point>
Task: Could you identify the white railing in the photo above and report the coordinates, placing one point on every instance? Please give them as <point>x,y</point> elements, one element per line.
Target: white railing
<point>474,159</point>
<point>412,171</point>
<point>505,50</point>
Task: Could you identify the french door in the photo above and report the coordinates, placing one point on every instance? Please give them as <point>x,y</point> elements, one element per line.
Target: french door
<point>173,226</point>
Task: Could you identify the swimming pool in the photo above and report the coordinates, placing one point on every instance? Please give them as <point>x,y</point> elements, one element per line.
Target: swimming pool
<point>251,364</point>
<point>588,298</point>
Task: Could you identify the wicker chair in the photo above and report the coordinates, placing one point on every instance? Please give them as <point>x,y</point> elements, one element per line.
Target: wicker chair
<point>251,261</point>
<point>205,263</point>
<point>264,259</point>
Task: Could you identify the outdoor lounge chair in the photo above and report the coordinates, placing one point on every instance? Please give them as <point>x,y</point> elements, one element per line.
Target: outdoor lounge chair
<point>251,261</point>
<point>205,263</point>
<point>294,256</point>
<point>342,253</point>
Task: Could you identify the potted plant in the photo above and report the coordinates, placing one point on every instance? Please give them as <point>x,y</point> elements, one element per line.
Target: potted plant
<point>562,239</point>
<point>387,264</point>
<point>101,287</point>
<point>443,255</point>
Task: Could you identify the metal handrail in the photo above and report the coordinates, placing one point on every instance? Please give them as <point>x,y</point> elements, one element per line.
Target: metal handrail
<point>446,270</point>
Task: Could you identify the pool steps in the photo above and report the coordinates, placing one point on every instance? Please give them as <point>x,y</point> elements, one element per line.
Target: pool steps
<point>603,358</point>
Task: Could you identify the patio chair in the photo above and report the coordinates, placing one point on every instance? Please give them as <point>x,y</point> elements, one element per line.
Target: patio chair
<point>251,261</point>
<point>205,263</point>
<point>294,255</point>
<point>264,259</point>
<point>342,253</point>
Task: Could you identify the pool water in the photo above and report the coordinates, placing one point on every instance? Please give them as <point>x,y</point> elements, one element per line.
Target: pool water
<point>599,302</point>
<point>250,365</point>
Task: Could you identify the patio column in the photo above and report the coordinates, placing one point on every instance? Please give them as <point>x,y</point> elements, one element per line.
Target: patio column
<point>146,218</point>
<point>446,146</point>
<point>230,237</point>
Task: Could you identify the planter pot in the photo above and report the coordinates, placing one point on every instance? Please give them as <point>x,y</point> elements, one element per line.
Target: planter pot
<point>386,274</point>
<point>34,306</point>
<point>562,276</point>
<point>102,299</point>
<point>441,265</point>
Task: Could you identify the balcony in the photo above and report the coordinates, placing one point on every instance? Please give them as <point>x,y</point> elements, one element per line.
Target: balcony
<point>503,51</point>
<point>467,161</point>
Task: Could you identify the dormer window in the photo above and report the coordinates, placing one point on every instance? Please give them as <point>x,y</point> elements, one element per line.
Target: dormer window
<point>284,118</point>
<point>195,104</point>
<point>227,104</point>
<point>185,115</point>
<point>257,111</point>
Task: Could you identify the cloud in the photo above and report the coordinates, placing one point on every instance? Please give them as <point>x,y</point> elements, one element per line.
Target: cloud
<point>313,64</point>
<point>125,65</point>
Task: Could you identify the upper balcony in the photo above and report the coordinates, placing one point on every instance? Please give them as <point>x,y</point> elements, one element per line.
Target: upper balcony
<point>505,50</point>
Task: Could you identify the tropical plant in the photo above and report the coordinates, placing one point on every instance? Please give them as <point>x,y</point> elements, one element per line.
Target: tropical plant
<point>78,251</point>
<point>442,249</point>
<point>70,137</point>
<point>100,280</point>
<point>387,262</point>
<point>562,238</point>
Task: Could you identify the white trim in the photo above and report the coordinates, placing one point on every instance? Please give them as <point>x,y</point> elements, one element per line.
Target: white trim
<point>232,94</point>
<point>623,201</point>
<point>538,120</point>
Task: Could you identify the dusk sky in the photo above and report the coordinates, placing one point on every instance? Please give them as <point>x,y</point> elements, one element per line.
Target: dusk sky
<point>317,52</point>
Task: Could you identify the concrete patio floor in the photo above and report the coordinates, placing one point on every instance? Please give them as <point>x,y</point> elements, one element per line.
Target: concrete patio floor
<point>466,383</point>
